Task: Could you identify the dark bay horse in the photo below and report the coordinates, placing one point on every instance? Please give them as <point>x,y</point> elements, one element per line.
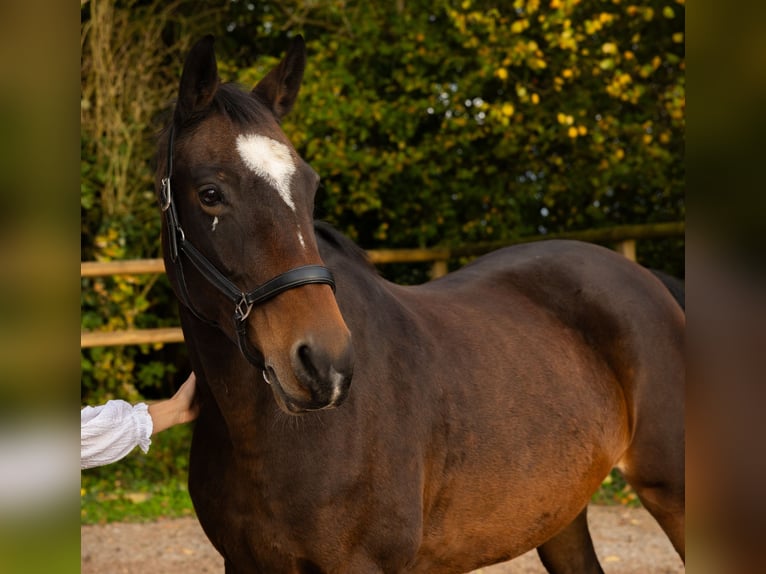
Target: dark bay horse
<point>349,424</point>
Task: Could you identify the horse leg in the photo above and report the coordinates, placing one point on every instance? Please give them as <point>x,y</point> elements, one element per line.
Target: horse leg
<point>663,497</point>
<point>571,550</point>
<point>654,468</point>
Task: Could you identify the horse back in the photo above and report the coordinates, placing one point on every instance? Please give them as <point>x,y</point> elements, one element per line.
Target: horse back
<point>627,314</point>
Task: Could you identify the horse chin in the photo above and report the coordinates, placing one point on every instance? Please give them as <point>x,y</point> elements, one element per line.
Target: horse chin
<point>288,404</point>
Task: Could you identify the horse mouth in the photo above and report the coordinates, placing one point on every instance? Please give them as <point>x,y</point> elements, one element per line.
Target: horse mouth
<point>290,404</point>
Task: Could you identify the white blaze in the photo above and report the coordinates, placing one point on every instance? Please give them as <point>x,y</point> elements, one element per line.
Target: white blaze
<point>270,160</point>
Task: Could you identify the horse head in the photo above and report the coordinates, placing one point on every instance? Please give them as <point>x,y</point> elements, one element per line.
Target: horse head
<point>238,237</point>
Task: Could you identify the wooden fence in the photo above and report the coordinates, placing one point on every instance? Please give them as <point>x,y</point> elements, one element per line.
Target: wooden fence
<point>622,238</point>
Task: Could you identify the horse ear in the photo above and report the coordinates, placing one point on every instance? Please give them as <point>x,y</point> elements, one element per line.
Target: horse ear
<point>199,80</point>
<point>279,89</point>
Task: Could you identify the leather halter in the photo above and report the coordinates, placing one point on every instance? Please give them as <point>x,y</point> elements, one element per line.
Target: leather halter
<point>179,247</point>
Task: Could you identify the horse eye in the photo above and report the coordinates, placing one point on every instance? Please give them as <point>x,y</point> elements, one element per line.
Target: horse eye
<point>210,196</point>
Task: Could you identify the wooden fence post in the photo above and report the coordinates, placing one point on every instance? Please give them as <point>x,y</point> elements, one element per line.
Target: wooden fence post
<point>438,269</point>
<point>627,248</point>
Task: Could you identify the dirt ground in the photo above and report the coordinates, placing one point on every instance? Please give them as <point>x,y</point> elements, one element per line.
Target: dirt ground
<point>627,540</point>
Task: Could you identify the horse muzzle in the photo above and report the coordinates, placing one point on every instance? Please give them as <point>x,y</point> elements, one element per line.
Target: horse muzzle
<point>318,379</point>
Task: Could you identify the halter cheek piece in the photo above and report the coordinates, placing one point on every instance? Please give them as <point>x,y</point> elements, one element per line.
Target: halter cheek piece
<point>179,246</point>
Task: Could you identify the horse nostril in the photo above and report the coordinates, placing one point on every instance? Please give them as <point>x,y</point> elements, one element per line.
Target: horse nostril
<point>318,371</point>
<point>305,357</point>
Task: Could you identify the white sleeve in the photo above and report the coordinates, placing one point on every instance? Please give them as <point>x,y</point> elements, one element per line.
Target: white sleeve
<point>109,432</point>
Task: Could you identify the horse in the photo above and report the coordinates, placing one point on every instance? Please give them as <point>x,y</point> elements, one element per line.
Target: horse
<point>350,424</point>
<point>676,286</point>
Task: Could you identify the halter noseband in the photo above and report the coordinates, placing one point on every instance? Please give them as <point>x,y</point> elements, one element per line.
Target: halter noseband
<point>243,301</point>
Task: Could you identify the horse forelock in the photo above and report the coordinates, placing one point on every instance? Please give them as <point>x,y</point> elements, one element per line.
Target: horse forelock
<point>233,102</point>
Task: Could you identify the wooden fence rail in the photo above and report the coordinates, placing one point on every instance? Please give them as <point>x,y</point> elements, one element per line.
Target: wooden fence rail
<point>623,239</point>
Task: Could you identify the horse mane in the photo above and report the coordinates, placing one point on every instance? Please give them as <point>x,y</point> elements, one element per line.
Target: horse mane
<point>340,242</point>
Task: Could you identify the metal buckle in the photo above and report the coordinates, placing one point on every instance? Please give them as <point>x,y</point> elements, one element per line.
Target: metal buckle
<point>165,194</point>
<point>242,309</point>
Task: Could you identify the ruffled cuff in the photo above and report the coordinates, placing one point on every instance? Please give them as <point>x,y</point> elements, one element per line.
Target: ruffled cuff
<point>145,426</point>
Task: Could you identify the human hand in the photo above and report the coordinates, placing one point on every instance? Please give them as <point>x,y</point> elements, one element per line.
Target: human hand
<point>180,408</point>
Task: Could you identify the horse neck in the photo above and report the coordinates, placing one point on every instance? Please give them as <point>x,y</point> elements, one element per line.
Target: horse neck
<point>231,390</point>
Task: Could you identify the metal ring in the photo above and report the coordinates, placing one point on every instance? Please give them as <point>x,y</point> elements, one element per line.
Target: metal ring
<point>165,195</point>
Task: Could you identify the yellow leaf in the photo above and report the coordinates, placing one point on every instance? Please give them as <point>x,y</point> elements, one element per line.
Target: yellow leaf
<point>519,26</point>
<point>138,497</point>
<point>508,109</point>
<point>572,132</point>
<point>609,48</point>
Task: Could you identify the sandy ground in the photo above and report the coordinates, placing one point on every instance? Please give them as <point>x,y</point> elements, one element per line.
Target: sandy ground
<point>627,540</point>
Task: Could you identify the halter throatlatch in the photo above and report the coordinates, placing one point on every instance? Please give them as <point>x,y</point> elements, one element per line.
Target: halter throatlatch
<point>244,301</point>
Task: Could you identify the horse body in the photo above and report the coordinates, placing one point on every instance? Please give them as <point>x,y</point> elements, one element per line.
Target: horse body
<point>486,406</point>
<point>525,417</point>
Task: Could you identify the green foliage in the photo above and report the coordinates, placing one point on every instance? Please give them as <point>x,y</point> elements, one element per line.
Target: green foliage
<point>446,123</point>
<point>131,372</point>
<point>127,82</point>
<point>614,490</point>
<point>140,486</point>
<point>141,501</point>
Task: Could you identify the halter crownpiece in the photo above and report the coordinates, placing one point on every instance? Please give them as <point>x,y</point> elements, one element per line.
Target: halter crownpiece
<point>244,301</point>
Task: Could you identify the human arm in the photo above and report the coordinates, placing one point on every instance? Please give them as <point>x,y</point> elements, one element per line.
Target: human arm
<point>109,432</point>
